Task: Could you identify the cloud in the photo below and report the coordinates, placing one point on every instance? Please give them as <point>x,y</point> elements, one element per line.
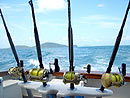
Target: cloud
<point>15,7</point>
<point>31,38</point>
<point>50,5</point>
<point>1,26</point>
<point>19,27</point>
<point>53,24</point>
<point>109,24</point>
<point>102,20</point>
<point>100,5</point>
<point>127,38</point>
<point>6,7</point>
<point>100,17</point>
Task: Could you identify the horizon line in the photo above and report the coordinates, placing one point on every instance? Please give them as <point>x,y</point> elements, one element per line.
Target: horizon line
<point>65,45</point>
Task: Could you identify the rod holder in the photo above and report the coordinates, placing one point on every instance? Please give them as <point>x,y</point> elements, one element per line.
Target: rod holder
<point>123,69</point>
<point>1,88</point>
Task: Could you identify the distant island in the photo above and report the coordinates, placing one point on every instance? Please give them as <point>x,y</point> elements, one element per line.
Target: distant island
<point>46,45</point>
<point>22,46</point>
<point>52,45</point>
<point>56,45</point>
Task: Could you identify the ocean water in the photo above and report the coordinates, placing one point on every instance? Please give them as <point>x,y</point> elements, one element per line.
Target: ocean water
<point>97,56</point>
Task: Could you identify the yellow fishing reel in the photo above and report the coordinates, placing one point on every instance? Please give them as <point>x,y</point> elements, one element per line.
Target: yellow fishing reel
<point>38,74</point>
<point>71,77</point>
<point>15,71</point>
<point>109,79</point>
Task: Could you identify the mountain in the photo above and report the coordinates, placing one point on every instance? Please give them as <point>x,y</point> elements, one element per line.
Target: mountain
<point>22,46</point>
<point>52,45</point>
<point>45,45</point>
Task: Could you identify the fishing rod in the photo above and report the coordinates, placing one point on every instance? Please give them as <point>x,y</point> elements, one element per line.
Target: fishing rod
<point>117,43</point>
<point>70,76</point>
<point>70,38</point>
<point>41,73</point>
<point>15,71</point>
<point>10,40</point>
<point>12,45</point>
<point>38,47</point>
<point>70,42</point>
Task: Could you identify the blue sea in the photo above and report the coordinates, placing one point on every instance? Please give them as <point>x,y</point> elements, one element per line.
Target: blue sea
<point>97,56</point>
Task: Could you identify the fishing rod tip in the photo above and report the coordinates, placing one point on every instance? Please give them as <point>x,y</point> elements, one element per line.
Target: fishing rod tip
<point>0,12</point>
<point>30,2</point>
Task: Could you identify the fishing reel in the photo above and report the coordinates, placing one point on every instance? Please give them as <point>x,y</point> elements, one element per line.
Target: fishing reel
<point>39,74</point>
<point>109,80</point>
<point>116,80</point>
<point>15,72</point>
<point>72,77</point>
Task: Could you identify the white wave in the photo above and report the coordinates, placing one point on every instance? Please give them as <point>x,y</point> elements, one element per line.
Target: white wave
<point>101,60</point>
<point>33,62</point>
<point>128,59</point>
<point>36,63</point>
<point>98,67</point>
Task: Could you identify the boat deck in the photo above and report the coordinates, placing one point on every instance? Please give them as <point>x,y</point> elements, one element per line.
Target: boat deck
<point>93,81</point>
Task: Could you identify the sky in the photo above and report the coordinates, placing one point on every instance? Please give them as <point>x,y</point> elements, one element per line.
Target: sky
<point>94,22</point>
